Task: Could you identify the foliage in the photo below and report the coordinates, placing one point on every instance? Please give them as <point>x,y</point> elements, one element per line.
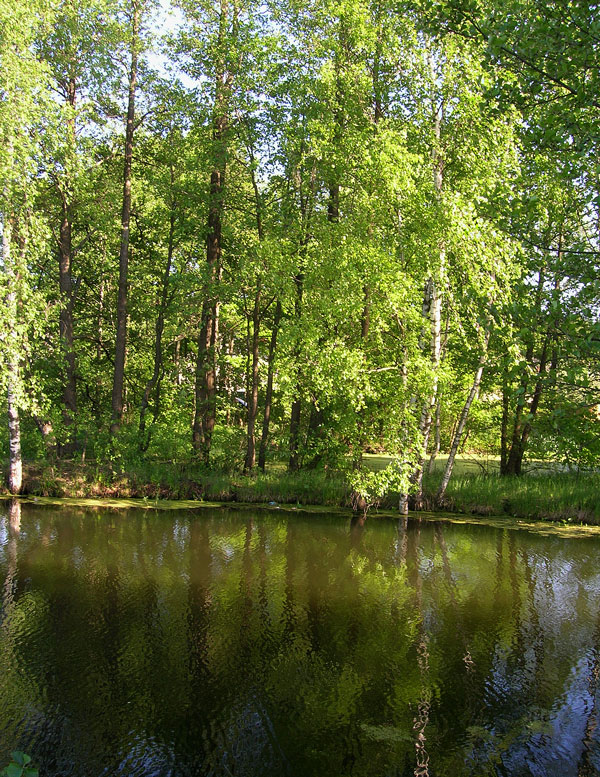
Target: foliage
<point>374,485</point>
<point>337,211</point>
<point>19,766</point>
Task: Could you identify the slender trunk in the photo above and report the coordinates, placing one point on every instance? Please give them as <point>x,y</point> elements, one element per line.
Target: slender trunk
<point>252,391</point>
<point>205,383</point>
<point>154,382</point>
<point>504,422</point>
<point>463,447</point>
<point>377,87</point>
<point>403,499</point>
<point>99,350</point>
<point>206,368</point>
<point>262,453</point>
<point>463,420</point>
<point>177,362</point>
<point>227,383</point>
<point>515,453</point>
<point>315,419</point>
<point>541,382</point>
<point>314,429</point>
<point>437,438</point>
<point>306,205</point>
<point>15,466</point>
<point>252,395</point>
<point>121,338</point>
<point>333,206</point>
<point>514,459</point>
<point>522,429</point>
<point>432,308</point>
<point>67,445</point>
<point>366,314</point>
<point>294,463</point>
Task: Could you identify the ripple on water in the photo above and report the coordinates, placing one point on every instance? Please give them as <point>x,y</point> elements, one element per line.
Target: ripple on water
<point>248,645</point>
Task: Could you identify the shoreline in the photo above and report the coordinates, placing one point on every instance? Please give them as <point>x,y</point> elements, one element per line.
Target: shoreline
<point>559,498</point>
<point>549,528</point>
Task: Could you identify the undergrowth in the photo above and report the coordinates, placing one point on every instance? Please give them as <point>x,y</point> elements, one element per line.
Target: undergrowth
<point>561,496</point>
<point>558,496</point>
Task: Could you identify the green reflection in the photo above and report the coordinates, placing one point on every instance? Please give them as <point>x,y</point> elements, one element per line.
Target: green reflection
<point>257,644</point>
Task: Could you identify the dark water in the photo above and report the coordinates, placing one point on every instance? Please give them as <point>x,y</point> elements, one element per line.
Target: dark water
<point>243,644</point>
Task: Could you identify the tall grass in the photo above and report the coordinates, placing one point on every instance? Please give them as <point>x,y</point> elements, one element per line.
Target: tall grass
<point>172,480</point>
<point>562,496</point>
<point>544,496</point>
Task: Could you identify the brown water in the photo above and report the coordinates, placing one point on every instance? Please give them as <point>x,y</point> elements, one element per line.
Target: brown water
<point>236,643</point>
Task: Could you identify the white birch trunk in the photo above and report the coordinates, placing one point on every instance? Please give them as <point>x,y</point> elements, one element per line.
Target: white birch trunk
<point>463,420</point>
<point>15,466</point>
<point>436,450</point>
<point>432,308</point>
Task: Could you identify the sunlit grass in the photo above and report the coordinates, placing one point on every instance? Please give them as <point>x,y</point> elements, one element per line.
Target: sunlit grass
<point>172,480</point>
<point>558,496</point>
<point>475,487</point>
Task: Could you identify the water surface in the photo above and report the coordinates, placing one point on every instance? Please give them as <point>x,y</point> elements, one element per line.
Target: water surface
<point>238,643</point>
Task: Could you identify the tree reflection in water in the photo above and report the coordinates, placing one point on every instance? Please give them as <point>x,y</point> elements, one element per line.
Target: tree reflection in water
<point>248,644</point>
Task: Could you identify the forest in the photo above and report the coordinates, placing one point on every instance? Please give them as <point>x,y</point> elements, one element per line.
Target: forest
<point>239,235</point>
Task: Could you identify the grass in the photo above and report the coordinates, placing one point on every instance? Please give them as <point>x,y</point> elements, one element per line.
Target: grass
<point>557,496</point>
<point>475,487</point>
<point>171,480</point>
<point>543,493</point>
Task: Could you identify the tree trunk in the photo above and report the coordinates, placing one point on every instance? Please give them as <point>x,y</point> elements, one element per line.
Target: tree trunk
<point>522,430</point>
<point>295,417</point>
<point>437,439</point>
<point>154,382</point>
<point>306,206</point>
<point>365,322</point>
<point>67,445</point>
<point>15,466</point>
<point>262,454</point>
<point>504,423</point>
<point>205,383</point>
<point>121,338</point>
<point>514,454</point>
<point>252,385</point>
<point>463,420</point>
<point>432,310</point>
<point>252,395</point>
<point>205,412</point>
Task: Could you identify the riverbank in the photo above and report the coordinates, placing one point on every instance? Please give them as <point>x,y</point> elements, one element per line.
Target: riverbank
<point>559,496</point>
<point>174,481</point>
<point>546,496</point>
<point>91,506</point>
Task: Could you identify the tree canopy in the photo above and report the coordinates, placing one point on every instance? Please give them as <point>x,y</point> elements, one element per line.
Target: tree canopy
<point>237,233</point>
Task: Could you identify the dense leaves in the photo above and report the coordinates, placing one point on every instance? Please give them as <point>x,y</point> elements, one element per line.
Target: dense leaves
<point>314,229</point>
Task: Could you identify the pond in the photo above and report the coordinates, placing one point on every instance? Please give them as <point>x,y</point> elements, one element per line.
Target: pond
<point>249,644</point>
